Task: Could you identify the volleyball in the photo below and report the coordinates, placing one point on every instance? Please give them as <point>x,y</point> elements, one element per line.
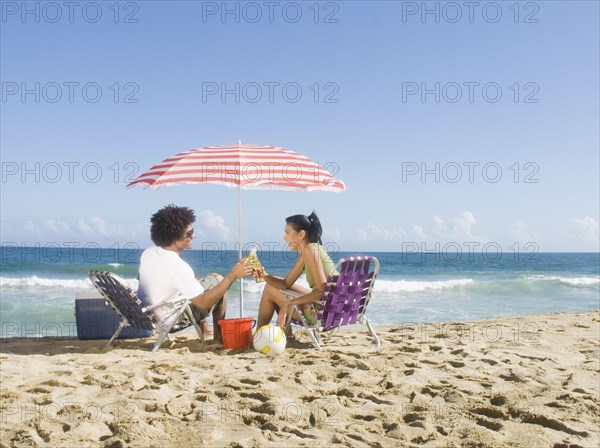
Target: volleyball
<point>269,340</point>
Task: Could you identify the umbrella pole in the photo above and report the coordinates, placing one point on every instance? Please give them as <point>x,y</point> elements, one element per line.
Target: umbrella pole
<point>240,248</point>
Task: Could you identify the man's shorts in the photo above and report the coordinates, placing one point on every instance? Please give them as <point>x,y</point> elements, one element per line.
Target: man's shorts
<point>208,282</point>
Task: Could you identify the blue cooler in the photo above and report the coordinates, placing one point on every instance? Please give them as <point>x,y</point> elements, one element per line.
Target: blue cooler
<point>97,320</point>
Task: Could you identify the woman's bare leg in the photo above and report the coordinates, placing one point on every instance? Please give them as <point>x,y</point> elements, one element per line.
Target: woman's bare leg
<point>272,299</point>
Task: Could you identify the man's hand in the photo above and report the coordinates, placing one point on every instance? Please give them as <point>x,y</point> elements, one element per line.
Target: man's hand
<point>241,269</point>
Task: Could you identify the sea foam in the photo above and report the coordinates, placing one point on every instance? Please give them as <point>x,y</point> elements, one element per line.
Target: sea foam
<point>416,285</point>
<point>387,285</point>
<point>34,281</point>
<point>572,281</point>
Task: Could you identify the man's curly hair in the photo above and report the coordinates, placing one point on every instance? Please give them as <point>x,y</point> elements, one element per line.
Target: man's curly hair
<point>170,223</point>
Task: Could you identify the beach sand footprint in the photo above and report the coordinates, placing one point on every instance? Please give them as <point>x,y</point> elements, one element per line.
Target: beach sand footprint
<point>513,377</point>
<point>39,390</point>
<point>457,364</point>
<point>259,396</point>
<point>251,382</point>
<point>182,406</point>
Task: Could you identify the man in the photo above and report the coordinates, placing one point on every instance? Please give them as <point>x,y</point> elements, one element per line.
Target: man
<point>163,274</point>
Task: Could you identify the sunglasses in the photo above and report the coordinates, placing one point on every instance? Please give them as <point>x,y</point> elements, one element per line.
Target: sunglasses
<point>190,234</point>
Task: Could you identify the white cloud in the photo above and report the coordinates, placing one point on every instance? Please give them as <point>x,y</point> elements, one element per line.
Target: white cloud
<point>385,234</point>
<point>420,233</point>
<point>361,235</point>
<point>463,228</point>
<point>374,233</point>
<point>332,235</point>
<point>57,226</point>
<point>395,238</point>
<point>439,226</point>
<point>32,229</point>
<point>84,227</point>
<point>97,227</point>
<point>83,230</point>
<point>100,226</point>
<point>585,229</point>
<point>520,232</point>
<point>212,226</point>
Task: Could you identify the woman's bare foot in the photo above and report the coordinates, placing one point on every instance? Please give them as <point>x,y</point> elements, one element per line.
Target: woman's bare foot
<point>289,335</point>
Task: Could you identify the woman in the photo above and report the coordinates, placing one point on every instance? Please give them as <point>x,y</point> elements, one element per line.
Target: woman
<point>302,234</point>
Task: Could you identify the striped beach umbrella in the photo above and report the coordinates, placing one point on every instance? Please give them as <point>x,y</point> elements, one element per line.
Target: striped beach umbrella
<point>241,166</point>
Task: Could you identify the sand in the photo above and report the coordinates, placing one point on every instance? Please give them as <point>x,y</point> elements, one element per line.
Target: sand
<point>529,382</point>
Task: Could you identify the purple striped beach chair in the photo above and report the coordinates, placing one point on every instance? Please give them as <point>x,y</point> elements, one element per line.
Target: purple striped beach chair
<point>133,313</point>
<point>345,299</point>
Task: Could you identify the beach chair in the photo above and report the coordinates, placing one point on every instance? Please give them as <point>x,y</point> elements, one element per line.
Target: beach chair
<point>345,299</point>
<point>132,312</point>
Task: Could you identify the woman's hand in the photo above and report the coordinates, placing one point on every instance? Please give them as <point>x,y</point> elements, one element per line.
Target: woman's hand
<point>284,310</point>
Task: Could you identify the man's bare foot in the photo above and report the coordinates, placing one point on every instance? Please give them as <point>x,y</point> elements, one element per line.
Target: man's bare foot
<point>217,335</point>
<point>207,331</point>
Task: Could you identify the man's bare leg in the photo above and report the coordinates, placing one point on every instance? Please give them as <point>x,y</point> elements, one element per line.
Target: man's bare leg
<point>219,313</point>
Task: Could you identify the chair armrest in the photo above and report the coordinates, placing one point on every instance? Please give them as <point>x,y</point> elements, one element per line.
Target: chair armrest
<point>173,300</point>
<point>291,294</point>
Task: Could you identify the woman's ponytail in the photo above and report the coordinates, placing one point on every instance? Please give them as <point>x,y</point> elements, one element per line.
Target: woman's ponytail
<point>315,231</point>
<point>310,224</point>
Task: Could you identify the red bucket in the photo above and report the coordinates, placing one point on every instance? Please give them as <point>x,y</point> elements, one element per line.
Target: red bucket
<point>237,333</point>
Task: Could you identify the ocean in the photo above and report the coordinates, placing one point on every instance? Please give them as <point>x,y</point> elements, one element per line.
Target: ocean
<point>38,284</point>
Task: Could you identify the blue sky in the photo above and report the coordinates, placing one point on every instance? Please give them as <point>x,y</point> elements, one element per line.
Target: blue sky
<point>452,127</point>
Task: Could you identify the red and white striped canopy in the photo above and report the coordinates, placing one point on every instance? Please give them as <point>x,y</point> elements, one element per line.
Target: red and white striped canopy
<point>244,166</point>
